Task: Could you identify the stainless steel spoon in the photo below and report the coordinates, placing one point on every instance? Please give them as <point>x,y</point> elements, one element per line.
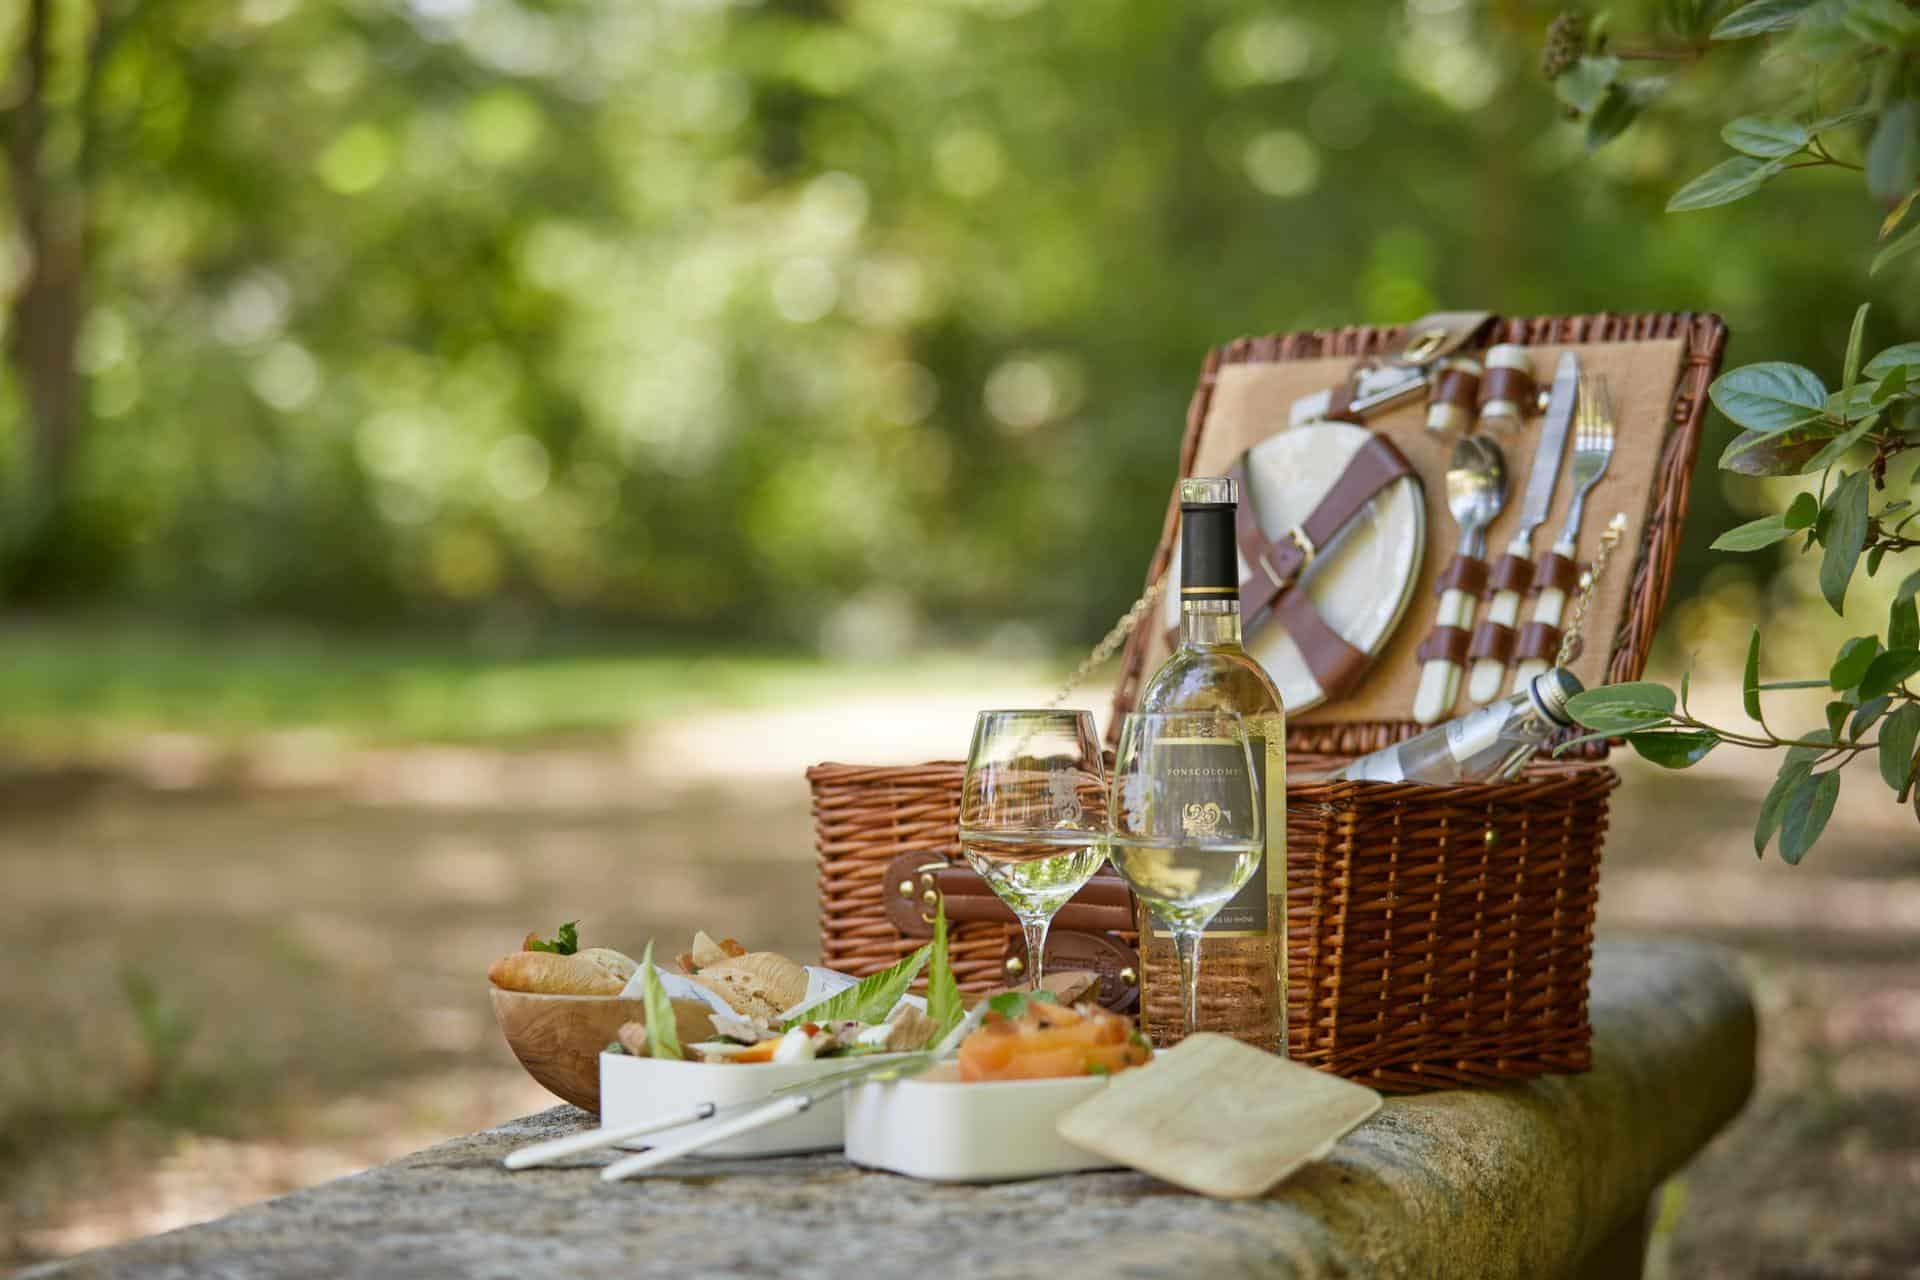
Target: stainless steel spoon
<point>1476,492</point>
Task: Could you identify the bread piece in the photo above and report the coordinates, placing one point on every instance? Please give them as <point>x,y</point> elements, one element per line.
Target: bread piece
<point>597,971</point>
<point>762,984</point>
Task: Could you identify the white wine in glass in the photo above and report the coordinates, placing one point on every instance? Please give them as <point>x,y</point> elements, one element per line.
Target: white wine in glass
<point>1036,872</point>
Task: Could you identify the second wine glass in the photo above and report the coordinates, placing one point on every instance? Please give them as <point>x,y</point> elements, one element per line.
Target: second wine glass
<point>1033,814</point>
<point>1185,823</point>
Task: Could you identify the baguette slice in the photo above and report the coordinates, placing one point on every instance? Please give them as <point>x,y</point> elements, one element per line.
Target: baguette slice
<point>597,971</point>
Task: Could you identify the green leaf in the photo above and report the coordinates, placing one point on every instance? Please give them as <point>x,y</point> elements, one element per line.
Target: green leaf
<point>1881,22</point>
<point>663,1028</point>
<point>1909,241</point>
<point>1774,806</point>
<point>1775,453</point>
<point>1619,109</point>
<point>1909,589</point>
<point>1585,85</point>
<point>1903,353</point>
<point>1768,137</point>
<point>943,992</point>
<point>566,940</point>
<point>1754,534</point>
<point>1750,677</point>
<point>1888,671</point>
<point>1770,396</point>
<point>1897,738</point>
<point>1760,17</point>
<point>1807,810</point>
<point>1836,448</point>
<point>1893,156</point>
<point>1622,708</point>
<point>1837,712</point>
<point>1893,384</point>
<point>1903,625</point>
<point>1686,680</point>
<point>869,1000</point>
<point>1874,556</point>
<point>1870,710</point>
<point>1726,182</point>
<point>1801,511</point>
<point>1012,1005</point>
<point>1810,755</point>
<point>1855,656</point>
<point>1846,535</point>
<point>1677,750</point>
<point>1851,367</point>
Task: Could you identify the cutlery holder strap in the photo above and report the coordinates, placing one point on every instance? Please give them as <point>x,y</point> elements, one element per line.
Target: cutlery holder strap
<point>1491,640</point>
<point>1463,573</point>
<point>1556,572</point>
<point>1510,573</point>
<point>1443,644</point>
<point>1537,640</point>
<point>1103,904</point>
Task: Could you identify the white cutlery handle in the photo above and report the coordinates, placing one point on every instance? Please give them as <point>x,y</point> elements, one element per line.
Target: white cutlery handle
<point>1484,684</point>
<point>1547,609</point>
<point>593,1139</point>
<point>772,1113</point>
<point>1439,678</point>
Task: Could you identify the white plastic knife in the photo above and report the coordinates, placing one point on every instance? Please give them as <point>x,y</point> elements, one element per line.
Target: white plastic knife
<point>1483,684</point>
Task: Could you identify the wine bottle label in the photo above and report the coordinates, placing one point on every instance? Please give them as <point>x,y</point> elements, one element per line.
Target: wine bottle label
<point>1245,915</point>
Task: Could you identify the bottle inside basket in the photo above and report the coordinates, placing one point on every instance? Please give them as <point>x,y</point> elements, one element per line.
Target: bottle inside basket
<point>1492,743</point>
<point>1243,965</point>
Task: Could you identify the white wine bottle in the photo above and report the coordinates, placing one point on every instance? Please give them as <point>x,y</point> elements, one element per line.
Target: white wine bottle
<point>1243,955</point>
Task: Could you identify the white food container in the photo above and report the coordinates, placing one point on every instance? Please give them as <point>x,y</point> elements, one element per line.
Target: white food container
<point>635,1090</point>
<point>933,1126</point>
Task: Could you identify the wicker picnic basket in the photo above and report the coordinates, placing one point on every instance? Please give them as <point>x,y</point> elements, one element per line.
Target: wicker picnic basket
<point>1438,936</point>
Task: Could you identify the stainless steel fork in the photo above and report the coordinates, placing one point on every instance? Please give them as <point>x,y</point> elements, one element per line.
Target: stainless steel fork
<point>1593,434</point>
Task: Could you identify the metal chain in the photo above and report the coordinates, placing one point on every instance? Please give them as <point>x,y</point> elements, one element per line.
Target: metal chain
<point>1570,641</point>
<point>1111,642</point>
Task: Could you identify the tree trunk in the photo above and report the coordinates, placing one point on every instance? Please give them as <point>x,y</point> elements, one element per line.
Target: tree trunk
<point>44,327</point>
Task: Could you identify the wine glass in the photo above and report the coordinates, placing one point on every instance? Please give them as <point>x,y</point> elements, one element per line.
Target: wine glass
<point>1185,824</point>
<point>1033,813</point>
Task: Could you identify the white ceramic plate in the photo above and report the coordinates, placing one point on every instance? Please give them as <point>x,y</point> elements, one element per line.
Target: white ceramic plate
<point>634,1090</point>
<point>933,1126</point>
<point>1362,583</point>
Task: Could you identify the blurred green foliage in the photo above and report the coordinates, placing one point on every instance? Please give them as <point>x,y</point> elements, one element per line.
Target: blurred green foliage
<point>692,314</point>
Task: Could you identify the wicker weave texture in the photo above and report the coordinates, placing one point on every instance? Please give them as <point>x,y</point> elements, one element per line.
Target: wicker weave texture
<point>1436,936</point>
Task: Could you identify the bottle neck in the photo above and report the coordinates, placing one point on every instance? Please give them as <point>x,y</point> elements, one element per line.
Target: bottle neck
<point>1210,624</point>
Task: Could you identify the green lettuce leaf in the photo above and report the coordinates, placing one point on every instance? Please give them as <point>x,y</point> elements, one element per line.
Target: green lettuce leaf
<point>663,1028</point>
<point>869,1000</point>
<point>943,991</point>
<point>565,942</point>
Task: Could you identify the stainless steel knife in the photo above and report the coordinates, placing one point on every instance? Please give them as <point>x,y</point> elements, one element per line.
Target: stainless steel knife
<point>1487,675</point>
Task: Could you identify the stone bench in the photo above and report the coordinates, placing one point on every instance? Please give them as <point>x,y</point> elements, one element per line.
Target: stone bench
<point>1547,1179</point>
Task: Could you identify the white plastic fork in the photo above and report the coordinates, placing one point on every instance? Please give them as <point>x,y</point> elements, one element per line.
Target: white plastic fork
<point>1593,434</point>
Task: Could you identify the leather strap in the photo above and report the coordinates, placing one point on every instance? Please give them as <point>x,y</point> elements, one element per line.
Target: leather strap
<point>1103,904</point>
<point>1335,664</point>
<point>1537,640</point>
<point>1557,572</point>
<point>1510,573</point>
<point>1277,564</point>
<point>1444,644</point>
<point>1463,573</point>
<point>1491,640</point>
<point>1441,334</point>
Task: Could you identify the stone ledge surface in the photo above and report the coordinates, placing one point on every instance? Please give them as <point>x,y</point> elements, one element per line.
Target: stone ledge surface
<point>1521,1182</point>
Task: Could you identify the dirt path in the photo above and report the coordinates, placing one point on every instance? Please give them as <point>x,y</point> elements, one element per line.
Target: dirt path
<point>248,990</point>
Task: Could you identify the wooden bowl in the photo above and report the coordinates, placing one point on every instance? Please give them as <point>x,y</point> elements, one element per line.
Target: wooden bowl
<point>558,1039</point>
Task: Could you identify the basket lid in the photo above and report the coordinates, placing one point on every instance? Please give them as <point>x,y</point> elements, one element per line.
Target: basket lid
<point>1658,367</point>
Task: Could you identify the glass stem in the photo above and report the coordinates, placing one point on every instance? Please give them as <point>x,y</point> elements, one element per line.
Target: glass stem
<point>1036,931</point>
<point>1186,944</point>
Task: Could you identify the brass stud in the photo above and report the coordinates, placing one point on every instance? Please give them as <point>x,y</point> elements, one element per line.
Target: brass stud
<point>1016,966</point>
<point>1491,838</point>
<point>906,888</point>
<point>1129,977</point>
<point>931,898</point>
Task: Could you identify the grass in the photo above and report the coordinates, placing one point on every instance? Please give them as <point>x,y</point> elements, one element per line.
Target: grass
<point>71,684</point>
